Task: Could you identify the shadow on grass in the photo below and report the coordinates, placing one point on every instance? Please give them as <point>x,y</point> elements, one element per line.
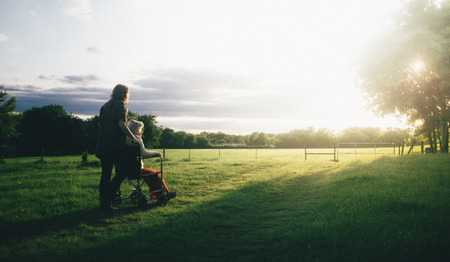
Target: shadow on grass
<point>20,231</point>
<point>325,216</point>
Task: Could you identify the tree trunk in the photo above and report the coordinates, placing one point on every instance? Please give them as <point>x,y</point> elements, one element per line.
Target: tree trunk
<point>430,141</point>
<point>445,135</point>
<point>438,131</point>
<point>434,141</point>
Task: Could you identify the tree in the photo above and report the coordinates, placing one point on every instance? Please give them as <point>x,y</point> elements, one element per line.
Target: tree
<point>91,133</point>
<point>179,139</point>
<point>297,138</point>
<point>7,122</point>
<point>361,134</point>
<point>217,138</point>
<point>190,141</point>
<point>257,139</point>
<point>51,130</point>
<point>202,140</point>
<point>323,138</point>
<point>167,138</point>
<point>406,70</point>
<point>396,135</point>
<point>151,133</point>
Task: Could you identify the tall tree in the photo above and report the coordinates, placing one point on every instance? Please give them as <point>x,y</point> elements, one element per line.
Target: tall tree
<point>406,69</point>
<point>7,122</point>
<point>202,140</point>
<point>50,129</point>
<point>91,133</point>
<point>167,138</point>
<point>189,141</point>
<point>151,133</point>
<point>297,138</point>
<point>257,139</point>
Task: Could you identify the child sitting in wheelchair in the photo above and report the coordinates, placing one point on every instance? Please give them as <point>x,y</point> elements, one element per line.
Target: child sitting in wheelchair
<point>154,182</point>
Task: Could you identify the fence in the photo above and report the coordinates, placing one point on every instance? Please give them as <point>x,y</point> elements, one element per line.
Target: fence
<point>256,153</point>
<point>315,152</point>
<point>355,146</point>
<point>215,153</point>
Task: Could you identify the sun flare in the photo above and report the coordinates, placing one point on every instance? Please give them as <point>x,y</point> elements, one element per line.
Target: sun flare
<point>418,66</point>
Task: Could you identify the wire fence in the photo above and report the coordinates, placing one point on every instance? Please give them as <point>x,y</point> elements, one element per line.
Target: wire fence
<point>340,152</point>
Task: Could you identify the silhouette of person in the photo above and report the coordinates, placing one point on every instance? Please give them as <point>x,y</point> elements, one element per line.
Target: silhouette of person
<point>111,144</point>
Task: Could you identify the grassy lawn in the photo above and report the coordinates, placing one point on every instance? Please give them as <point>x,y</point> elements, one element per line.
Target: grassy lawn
<point>236,205</point>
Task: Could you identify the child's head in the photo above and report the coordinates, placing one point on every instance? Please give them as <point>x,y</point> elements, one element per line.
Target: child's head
<point>135,127</point>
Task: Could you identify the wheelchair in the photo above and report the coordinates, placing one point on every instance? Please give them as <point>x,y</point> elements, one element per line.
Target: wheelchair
<point>137,179</point>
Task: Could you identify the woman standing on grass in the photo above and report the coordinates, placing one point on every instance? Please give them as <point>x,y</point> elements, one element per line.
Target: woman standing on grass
<point>111,142</point>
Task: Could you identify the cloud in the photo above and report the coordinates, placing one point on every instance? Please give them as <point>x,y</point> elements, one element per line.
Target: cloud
<point>73,79</point>
<point>80,9</point>
<point>44,77</point>
<point>75,100</point>
<point>3,38</point>
<point>211,94</point>
<point>14,69</point>
<point>12,90</point>
<point>198,99</point>
<point>197,86</point>
<point>194,101</point>
<point>95,50</point>
<point>80,79</point>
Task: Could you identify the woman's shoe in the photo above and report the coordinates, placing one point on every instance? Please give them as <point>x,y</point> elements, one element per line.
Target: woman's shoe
<point>107,207</point>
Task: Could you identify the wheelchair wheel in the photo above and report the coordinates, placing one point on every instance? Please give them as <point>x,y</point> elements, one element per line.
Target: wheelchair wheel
<point>135,197</point>
<point>142,202</point>
<point>162,200</point>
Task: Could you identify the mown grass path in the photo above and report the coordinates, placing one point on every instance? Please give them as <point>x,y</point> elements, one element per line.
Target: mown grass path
<point>271,209</point>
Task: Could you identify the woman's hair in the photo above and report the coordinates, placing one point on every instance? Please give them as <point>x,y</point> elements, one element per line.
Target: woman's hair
<point>119,93</point>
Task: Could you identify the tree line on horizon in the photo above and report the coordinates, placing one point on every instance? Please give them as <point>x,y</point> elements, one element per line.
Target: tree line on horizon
<point>50,130</point>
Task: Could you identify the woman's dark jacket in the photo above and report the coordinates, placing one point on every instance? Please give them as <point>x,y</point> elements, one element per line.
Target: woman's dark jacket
<point>111,139</point>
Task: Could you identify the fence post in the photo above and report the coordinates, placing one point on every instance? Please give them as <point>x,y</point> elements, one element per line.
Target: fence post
<point>412,146</point>
<point>335,153</point>
<point>421,149</point>
<point>305,153</point>
<point>164,153</point>
<point>403,147</point>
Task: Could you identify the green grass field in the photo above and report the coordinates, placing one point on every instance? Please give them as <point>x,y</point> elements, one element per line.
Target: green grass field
<point>234,205</point>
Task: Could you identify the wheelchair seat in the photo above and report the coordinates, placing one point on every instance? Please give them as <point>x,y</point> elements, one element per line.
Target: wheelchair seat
<point>133,161</point>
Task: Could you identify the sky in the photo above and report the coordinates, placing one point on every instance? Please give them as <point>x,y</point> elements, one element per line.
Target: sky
<point>236,67</point>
